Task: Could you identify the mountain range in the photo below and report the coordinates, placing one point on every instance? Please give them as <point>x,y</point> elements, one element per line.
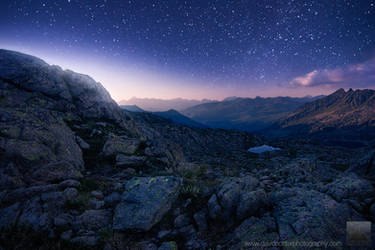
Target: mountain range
<point>246,114</point>
<point>180,119</point>
<point>344,116</point>
<point>132,108</point>
<point>172,115</point>
<point>156,105</point>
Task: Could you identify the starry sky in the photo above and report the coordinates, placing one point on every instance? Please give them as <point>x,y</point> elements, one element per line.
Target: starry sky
<point>200,49</point>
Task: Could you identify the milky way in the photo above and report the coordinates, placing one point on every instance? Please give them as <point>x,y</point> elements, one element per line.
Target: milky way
<point>241,43</point>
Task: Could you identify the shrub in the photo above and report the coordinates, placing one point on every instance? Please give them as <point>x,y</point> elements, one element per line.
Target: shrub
<point>191,171</point>
<point>191,189</point>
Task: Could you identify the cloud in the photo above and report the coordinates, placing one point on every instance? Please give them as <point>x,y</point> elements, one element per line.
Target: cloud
<point>357,76</point>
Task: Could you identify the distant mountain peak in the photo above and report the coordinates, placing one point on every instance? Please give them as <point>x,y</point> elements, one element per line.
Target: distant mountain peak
<point>230,98</point>
<point>248,114</point>
<point>352,111</point>
<point>156,105</point>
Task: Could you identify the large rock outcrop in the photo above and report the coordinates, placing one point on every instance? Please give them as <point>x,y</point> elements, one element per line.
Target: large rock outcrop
<point>144,202</point>
<point>36,102</point>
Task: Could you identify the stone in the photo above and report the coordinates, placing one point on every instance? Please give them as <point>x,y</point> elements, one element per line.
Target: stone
<point>85,240</point>
<point>67,235</point>
<point>195,243</point>
<point>351,186</point>
<point>94,220</point>
<point>228,196</point>
<point>69,183</point>
<point>70,193</point>
<point>310,216</point>
<point>181,220</point>
<point>32,215</point>
<point>118,186</point>
<point>120,145</point>
<point>96,204</point>
<point>255,230</point>
<point>97,194</point>
<point>129,172</point>
<point>186,231</point>
<point>9,215</point>
<point>30,192</point>
<point>10,177</point>
<point>62,220</point>
<point>145,201</point>
<point>214,208</point>
<point>250,203</point>
<point>170,245</point>
<point>82,143</point>
<point>201,221</point>
<point>130,161</point>
<point>145,245</point>
<point>112,199</point>
<point>163,234</point>
<point>53,202</point>
<point>57,171</point>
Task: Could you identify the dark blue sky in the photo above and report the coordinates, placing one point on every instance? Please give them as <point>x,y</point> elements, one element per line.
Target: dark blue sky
<point>201,48</point>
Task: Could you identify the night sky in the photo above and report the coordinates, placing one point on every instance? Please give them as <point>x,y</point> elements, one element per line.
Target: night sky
<point>201,49</point>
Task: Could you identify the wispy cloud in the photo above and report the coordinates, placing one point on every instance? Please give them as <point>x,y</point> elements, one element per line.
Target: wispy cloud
<point>357,76</point>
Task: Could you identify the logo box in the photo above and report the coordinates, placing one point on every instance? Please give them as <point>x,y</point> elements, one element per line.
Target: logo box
<point>358,233</point>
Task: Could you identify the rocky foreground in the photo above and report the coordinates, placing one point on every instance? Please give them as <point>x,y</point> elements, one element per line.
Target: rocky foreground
<point>77,172</point>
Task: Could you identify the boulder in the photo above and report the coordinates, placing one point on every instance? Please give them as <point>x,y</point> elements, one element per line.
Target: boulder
<point>351,187</point>
<point>186,231</point>
<point>120,145</point>
<point>201,221</point>
<point>89,240</point>
<point>57,171</point>
<point>33,216</point>
<point>112,199</point>
<point>82,143</point>
<point>309,215</point>
<point>9,215</point>
<point>224,203</point>
<point>164,234</point>
<point>67,235</point>
<point>10,177</point>
<point>170,245</point>
<point>63,220</point>
<point>96,204</point>
<point>145,245</point>
<point>70,193</point>
<point>255,230</point>
<point>130,161</point>
<point>214,208</point>
<point>228,197</point>
<point>94,220</point>
<point>21,194</point>
<point>181,221</point>
<point>250,203</point>
<point>145,201</point>
<point>46,150</point>
<point>97,194</point>
<point>196,243</point>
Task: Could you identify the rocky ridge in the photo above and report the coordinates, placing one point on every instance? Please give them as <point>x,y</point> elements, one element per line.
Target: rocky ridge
<point>344,117</point>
